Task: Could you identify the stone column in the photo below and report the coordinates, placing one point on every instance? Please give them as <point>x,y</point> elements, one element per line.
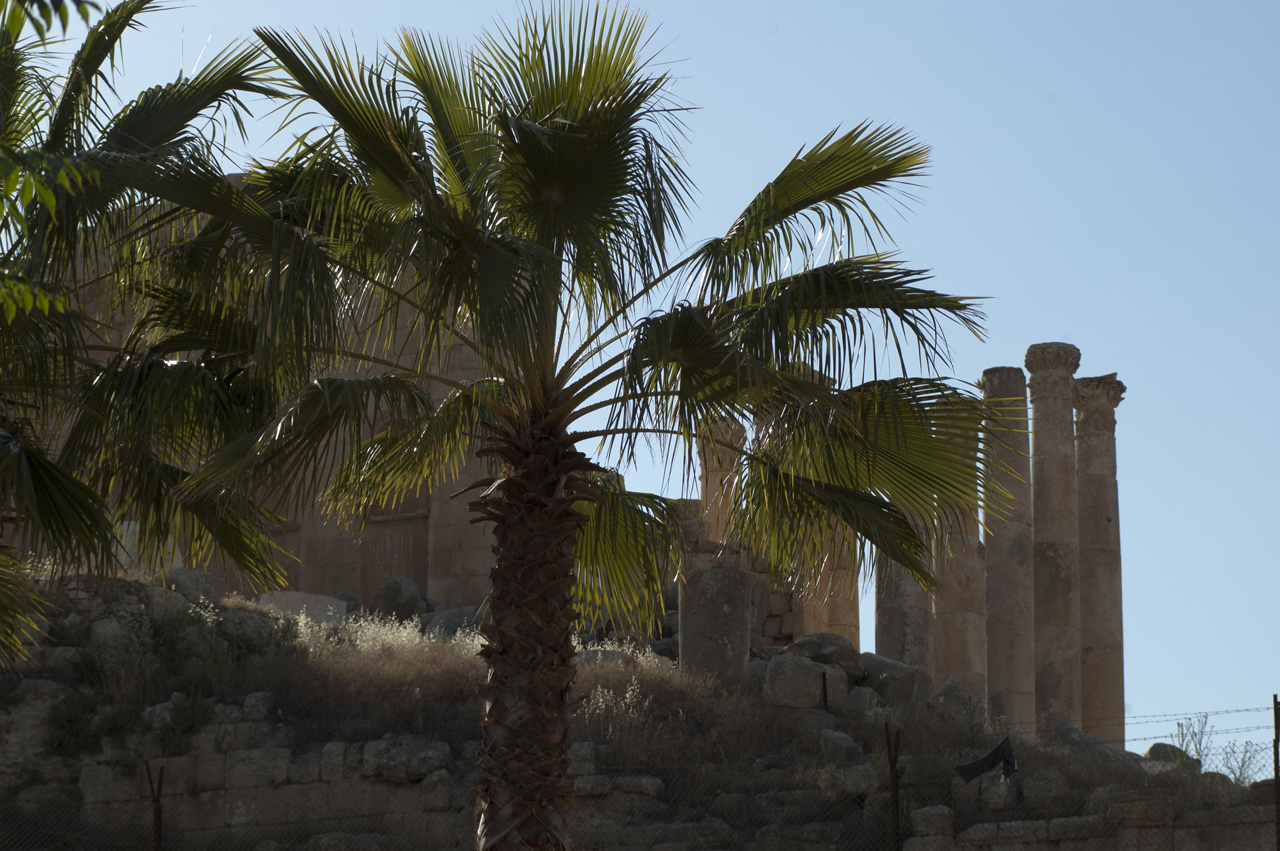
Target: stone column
<point>1056,537</point>
<point>832,604</point>
<point>1011,595</point>
<point>960,606</point>
<point>903,612</point>
<point>1101,617</point>
<point>717,610</point>
<point>719,466</point>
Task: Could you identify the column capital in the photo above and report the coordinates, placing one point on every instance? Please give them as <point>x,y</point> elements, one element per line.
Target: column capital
<point>1098,390</point>
<point>1045,357</point>
<point>1095,401</point>
<point>1003,382</point>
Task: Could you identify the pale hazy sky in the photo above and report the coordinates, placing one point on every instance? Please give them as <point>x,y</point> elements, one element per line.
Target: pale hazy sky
<point>1104,172</point>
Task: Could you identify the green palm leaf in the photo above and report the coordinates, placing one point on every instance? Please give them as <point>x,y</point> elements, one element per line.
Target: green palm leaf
<point>631,547</point>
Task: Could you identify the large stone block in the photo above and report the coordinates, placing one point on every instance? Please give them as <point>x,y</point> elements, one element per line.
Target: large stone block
<point>105,783</point>
<point>372,754</point>
<point>180,776</point>
<point>305,767</point>
<point>398,598</point>
<point>639,784</point>
<point>933,821</point>
<point>211,771</point>
<point>257,767</point>
<point>803,683</point>
<point>830,649</point>
<point>332,761</point>
<point>193,585</point>
<point>717,607</point>
<point>290,803</point>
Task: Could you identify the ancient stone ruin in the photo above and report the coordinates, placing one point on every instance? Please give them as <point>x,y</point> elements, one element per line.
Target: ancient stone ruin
<point>1027,617</point>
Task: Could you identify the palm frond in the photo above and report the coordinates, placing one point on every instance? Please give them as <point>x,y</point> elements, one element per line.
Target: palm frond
<point>413,452</point>
<point>162,116</point>
<point>72,123</point>
<point>836,315</point>
<point>823,193</point>
<point>20,606</point>
<point>630,548</point>
<point>57,514</point>
<point>292,457</point>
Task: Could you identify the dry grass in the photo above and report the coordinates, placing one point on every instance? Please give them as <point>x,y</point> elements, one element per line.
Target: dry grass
<point>372,676</point>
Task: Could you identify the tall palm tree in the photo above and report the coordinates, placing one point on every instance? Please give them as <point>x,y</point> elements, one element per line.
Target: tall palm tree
<point>519,201</point>
<point>87,437</point>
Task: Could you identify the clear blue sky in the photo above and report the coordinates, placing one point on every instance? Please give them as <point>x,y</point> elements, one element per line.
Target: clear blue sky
<point>1105,172</point>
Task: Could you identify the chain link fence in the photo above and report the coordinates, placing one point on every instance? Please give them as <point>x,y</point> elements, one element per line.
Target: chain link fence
<point>1065,797</point>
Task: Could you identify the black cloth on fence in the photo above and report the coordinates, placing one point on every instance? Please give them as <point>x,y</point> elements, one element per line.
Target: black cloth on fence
<point>1001,756</point>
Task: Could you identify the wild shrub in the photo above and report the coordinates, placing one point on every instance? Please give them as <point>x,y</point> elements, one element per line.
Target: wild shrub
<point>369,676</point>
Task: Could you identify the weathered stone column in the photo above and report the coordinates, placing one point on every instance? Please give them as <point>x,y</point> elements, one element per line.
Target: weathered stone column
<point>719,465</point>
<point>1011,594</point>
<point>717,609</point>
<point>1056,537</point>
<point>960,608</point>
<point>903,612</point>
<point>832,604</point>
<point>1101,615</point>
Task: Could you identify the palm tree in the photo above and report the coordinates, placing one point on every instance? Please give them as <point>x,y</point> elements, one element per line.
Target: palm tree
<point>518,201</point>
<point>78,454</point>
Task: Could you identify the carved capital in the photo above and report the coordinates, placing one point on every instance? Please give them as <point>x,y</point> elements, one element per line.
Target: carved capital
<point>1003,382</point>
<point>1099,390</point>
<point>1095,401</point>
<point>1055,357</point>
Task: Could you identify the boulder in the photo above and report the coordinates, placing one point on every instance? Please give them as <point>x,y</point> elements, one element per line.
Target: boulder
<point>861,698</point>
<point>397,598</point>
<point>912,687</point>
<point>447,623</point>
<point>668,648</point>
<point>194,585</point>
<point>830,649</point>
<point>956,702</point>
<point>431,757</point>
<point>72,630</point>
<point>249,629</point>
<point>836,746</point>
<point>882,671</point>
<point>797,681</point>
<point>107,633</point>
<point>933,821</point>
<point>162,603</point>
<point>258,706</point>
<point>352,601</point>
<point>758,671</point>
<point>1221,791</point>
<point>1165,752</point>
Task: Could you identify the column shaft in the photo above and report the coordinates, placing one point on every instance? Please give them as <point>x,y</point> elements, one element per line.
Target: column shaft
<point>960,607</point>
<point>902,616</point>
<point>1011,619</point>
<point>1101,615</point>
<point>1056,540</point>
<point>719,463</point>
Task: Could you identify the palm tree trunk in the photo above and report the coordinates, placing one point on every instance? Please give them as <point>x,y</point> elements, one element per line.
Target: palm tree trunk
<point>523,789</point>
